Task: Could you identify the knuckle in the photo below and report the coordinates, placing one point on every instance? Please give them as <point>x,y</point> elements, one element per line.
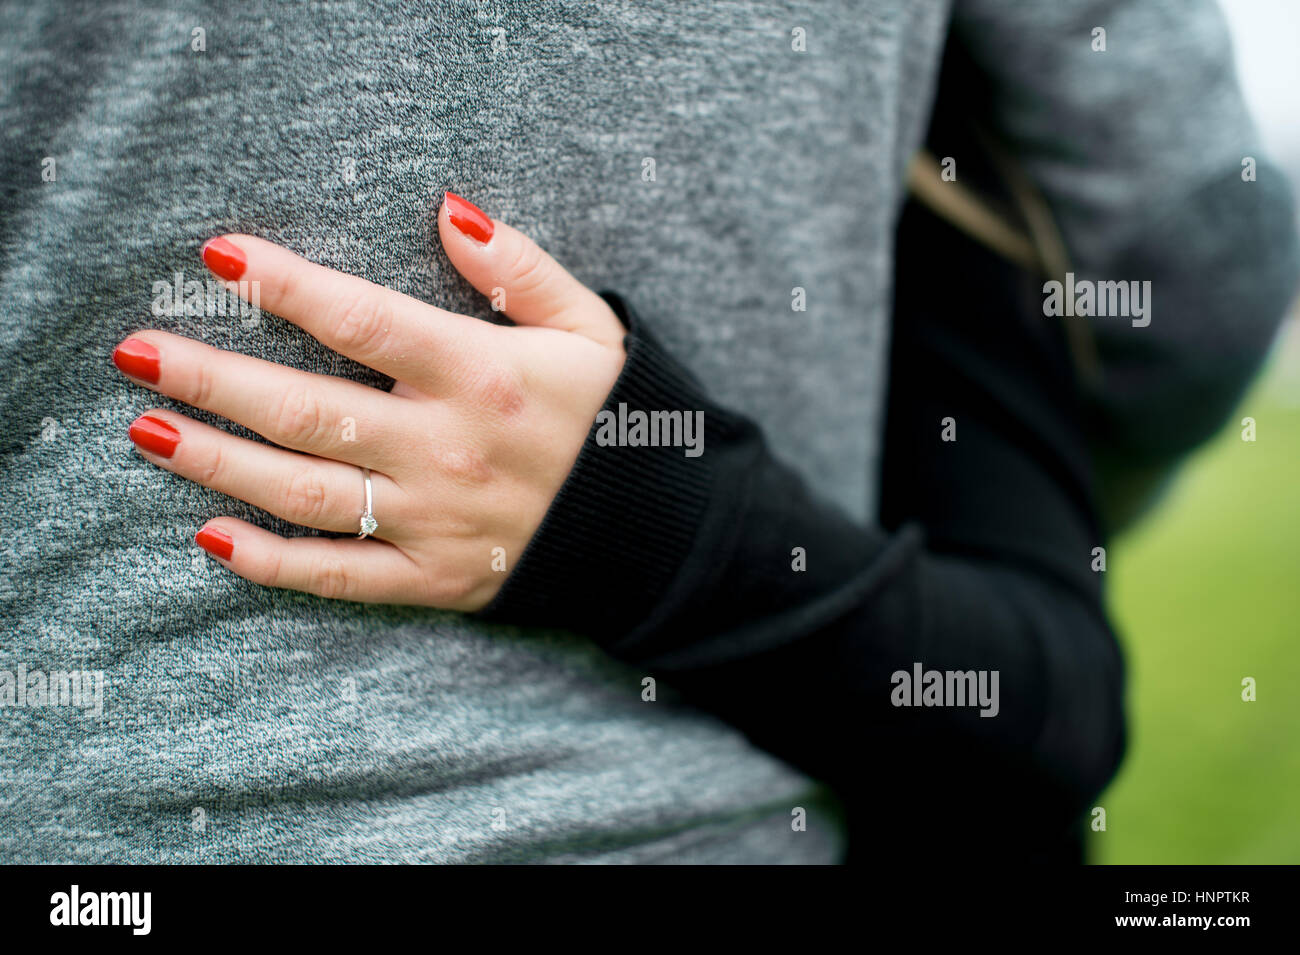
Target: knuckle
<point>455,524</point>
<point>202,386</point>
<point>214,467</point>
<point>272,571</point>
<point>448,590</point>
<point>363,324</point>
<point>300,420</point>
<point>282,287</point>
<point>528,269</point>
<point>499,390</point>
<point>305,498</point>
<point>464,465</point>
<point>329,578</point>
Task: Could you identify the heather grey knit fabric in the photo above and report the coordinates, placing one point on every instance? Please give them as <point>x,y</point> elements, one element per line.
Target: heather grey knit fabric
<point>693,157</point>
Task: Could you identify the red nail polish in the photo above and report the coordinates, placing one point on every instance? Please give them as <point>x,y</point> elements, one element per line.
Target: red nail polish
<point>215,542</point>
<point>155,435</point>
<point>468,218</point>
<point>224,258</point>
<point>137,359</point>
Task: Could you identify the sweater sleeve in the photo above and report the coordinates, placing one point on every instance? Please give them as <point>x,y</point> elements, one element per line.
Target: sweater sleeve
<point>1128,118</point>
<point>726,574</point>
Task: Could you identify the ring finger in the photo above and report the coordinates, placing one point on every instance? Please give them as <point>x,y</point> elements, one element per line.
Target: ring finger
<point>311,491</point>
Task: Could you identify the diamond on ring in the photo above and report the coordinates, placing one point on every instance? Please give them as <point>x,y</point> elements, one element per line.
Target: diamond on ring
<point>368,523</point>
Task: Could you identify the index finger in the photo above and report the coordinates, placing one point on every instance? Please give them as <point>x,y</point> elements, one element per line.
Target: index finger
<point>400,336</point>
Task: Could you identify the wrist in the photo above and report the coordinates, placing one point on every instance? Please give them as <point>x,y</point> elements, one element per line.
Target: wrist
<point>627,518</point>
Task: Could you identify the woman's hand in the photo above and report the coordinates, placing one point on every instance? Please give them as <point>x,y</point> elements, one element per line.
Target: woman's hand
<point>466,452</point>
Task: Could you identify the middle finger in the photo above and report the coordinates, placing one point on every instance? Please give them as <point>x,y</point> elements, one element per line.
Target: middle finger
<point>322,415</point>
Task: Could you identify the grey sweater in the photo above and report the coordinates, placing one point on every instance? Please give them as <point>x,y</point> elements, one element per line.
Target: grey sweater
<point>707,160</point>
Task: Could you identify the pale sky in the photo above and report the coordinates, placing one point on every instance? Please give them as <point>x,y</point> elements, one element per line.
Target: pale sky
<point>1266,35</point>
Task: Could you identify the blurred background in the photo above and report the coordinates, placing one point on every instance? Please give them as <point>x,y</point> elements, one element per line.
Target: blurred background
<point>1206,591</point>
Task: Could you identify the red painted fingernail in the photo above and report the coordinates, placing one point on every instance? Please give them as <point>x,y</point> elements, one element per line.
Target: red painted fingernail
<point>155,435</point>
<point>215,542</point>
<point>468,218</point>
<point>224,258</point>
<point>137,359</point>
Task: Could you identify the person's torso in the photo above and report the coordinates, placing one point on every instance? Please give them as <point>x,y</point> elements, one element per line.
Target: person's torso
<point>733,169</point>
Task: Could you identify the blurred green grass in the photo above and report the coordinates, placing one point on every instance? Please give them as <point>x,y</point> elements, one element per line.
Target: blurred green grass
<point>1204,593</point>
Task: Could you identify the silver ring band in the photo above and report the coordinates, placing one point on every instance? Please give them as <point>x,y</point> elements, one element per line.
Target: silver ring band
<point>368,523</point>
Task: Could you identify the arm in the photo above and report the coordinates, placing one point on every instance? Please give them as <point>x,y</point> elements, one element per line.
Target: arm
<point>686,566</point>
<point>1152,168</point>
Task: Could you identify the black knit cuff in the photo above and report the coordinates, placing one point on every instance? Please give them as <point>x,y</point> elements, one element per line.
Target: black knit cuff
<point>626,519</point>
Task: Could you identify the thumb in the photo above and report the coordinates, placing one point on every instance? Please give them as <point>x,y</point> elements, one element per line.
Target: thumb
<point>511,269</point>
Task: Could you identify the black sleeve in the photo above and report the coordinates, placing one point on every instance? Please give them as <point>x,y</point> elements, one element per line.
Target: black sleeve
<point>727,575</point>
